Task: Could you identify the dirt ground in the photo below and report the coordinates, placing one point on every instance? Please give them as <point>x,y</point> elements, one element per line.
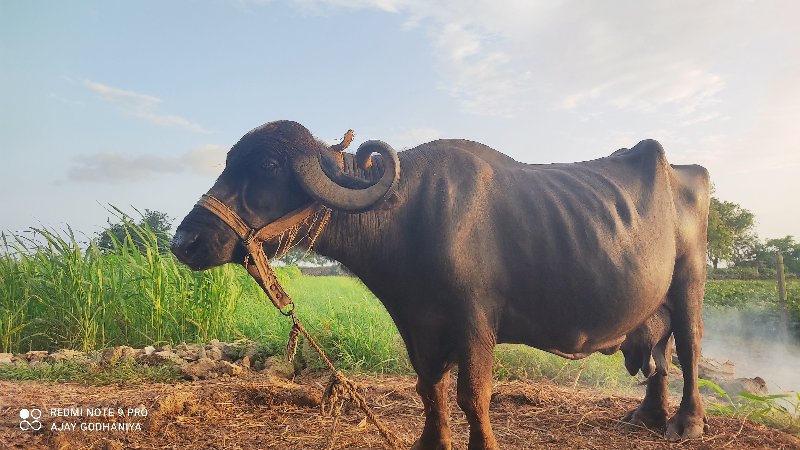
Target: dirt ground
<point>257,411</point>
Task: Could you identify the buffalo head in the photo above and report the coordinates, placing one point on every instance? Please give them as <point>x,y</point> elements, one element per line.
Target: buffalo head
<point>272,170</point>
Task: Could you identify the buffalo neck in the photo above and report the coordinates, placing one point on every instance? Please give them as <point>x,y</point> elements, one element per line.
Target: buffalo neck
<point>355,239</point>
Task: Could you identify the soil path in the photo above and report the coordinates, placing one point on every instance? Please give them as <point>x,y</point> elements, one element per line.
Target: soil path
<point>257,411</point>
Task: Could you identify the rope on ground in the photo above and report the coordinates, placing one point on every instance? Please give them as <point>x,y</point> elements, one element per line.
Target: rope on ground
<point>339,389</point>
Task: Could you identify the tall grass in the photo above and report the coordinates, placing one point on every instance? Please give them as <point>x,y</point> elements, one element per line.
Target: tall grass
<point>14,299</point>
<point>780,411</point>
<point>56,292</point>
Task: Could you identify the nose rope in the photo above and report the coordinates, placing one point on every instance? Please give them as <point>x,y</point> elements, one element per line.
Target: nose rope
<point>315,216</point>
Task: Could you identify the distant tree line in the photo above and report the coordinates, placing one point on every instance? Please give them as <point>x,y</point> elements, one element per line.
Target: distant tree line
<point>732,240</point>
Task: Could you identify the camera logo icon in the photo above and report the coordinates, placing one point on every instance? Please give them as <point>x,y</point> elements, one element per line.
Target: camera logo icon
<point>29,419</point>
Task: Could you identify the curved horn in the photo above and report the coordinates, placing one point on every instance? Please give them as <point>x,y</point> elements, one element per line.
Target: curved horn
<point>317,183</point>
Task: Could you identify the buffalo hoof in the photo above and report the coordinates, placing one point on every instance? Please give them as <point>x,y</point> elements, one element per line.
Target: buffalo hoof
<point>427,445</point>
<point>683,426</point>
<point>654,419</point>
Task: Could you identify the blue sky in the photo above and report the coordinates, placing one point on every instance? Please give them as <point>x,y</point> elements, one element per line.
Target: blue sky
<point>135,104</point>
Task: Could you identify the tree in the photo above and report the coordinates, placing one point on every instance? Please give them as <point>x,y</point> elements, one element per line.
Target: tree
<point>788,248</point>
<point>731,234</point>
<point>153,226</point>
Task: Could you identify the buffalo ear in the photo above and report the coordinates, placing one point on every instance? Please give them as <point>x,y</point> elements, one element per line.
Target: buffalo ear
<point>324,184</point>
<point>333,169</point>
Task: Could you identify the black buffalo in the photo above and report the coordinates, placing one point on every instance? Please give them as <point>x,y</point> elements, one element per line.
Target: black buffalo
<point>467,248</point>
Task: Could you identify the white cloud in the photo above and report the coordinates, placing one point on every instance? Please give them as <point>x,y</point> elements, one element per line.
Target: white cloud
<point>475,68</point>
<point>114,167</point>
<point>480,77</point>
<point>412,137</point>
<point>686,89</point>
<point>142,106</point>
<point>319,6</point>
<point>503,57</point>
<point>207,159</point>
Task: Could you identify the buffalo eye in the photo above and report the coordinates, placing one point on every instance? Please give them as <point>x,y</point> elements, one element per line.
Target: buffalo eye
<point>270,167</point>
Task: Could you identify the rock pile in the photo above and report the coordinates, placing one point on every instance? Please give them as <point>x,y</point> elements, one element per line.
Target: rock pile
<point>723,374</point>
<point>195,361</point>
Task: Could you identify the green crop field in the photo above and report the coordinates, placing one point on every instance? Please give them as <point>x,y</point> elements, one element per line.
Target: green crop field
<point>742,294</point>
<point>57,293</point>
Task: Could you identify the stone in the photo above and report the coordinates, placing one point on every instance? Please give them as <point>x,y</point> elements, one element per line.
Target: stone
<point>35,355</point>
<point>239,348</point>
<point>6,358</point>
<point>189,352</point>
<point>167,355</point>
<point>279,367</point>
<point>756,386</point>
<point>258,364</point>
<point>251,350</point>
<point>231,352</point>
<point>226,368</point>
<point>716,370</point>
<point>115,355</point>
<point>245,362</point>
<point>67,355</point>
<point>149,350</point>
<point>160,358</point>
<point>203,368</point>
<point>711,369</point>
<point>214,353</point>
<point>128,353</point>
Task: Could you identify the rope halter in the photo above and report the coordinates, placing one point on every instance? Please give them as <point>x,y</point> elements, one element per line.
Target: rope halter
<point>315,216</point>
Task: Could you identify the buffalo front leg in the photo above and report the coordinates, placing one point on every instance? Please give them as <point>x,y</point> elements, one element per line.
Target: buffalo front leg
<point>475,391</point>
<point>430,350</point>
<point>436,433</point>
<point>686,298</point>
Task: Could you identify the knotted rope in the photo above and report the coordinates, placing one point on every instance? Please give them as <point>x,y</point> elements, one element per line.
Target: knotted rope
<point>314,218</point>
<point>339,389</point>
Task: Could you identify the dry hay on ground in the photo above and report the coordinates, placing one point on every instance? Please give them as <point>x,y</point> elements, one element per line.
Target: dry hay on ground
<point>257,411</point>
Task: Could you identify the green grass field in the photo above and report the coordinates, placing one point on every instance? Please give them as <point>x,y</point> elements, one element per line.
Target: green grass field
<point>742,294</point>
<point>56,293</point>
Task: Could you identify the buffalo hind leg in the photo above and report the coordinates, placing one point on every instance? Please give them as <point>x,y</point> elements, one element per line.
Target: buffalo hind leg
<point>652,412</point>
<point>475,391</point>
<point>686,301</point>
<point>431,358</point>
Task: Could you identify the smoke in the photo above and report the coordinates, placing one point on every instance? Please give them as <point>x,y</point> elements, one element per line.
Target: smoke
<point>752,339</point>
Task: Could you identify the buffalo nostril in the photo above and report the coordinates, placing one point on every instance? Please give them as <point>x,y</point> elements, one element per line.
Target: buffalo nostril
<point>184,244</point>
